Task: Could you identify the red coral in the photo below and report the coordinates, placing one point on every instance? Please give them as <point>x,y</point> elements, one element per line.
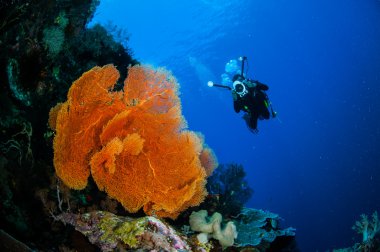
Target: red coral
<point>134,142</point>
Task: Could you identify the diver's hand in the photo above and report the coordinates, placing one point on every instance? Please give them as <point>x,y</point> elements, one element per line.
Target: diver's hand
<point>234,95</point>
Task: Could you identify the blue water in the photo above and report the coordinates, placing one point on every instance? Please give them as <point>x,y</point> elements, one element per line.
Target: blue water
<point>318,164</point>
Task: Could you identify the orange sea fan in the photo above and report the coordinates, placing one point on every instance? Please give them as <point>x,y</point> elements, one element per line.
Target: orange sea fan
<point>106,157</point>
<point>134,142</point>
<point>208,160</point>
<point>53,116</point>
<point>79,121</point>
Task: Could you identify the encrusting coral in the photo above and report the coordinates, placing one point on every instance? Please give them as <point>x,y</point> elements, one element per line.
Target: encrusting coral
<point>134,142</point>
<point>115,233</point>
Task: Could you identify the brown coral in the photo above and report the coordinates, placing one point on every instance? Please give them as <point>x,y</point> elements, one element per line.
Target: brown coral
<point>133,142</point>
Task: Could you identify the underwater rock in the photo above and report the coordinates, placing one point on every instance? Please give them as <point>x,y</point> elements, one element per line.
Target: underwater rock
<point>109,231</point>
<point>9,243</point>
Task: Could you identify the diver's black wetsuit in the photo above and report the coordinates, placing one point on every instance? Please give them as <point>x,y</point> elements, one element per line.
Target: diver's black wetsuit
<point>254,103</point>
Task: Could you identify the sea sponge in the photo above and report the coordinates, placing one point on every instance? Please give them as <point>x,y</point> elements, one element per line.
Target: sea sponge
<point>200,222</point>
<point>134,142</point>
<point>225,236</point>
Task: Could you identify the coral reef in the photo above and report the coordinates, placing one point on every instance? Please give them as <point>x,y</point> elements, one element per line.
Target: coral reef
<point>109,231</point>
<point>256,230</point>
<point>44,47</point>
<point>133,141</point>
<point>252,228</point>
<point>34,75</point>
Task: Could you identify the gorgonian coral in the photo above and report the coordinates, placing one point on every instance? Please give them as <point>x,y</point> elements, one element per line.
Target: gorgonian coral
<point>134,142</point>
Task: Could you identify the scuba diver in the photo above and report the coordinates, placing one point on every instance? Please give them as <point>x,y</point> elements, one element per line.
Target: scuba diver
<point>248,96</point>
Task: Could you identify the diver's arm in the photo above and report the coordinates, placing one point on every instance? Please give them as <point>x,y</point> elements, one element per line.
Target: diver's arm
<point>250,83</point>
<point>237,103</point>
<point>261,86</point>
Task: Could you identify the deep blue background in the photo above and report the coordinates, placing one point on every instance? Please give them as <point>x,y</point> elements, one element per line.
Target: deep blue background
<point>318,165</point>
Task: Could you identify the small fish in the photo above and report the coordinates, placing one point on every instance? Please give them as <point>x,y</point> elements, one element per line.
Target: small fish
<point>213,196</point>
